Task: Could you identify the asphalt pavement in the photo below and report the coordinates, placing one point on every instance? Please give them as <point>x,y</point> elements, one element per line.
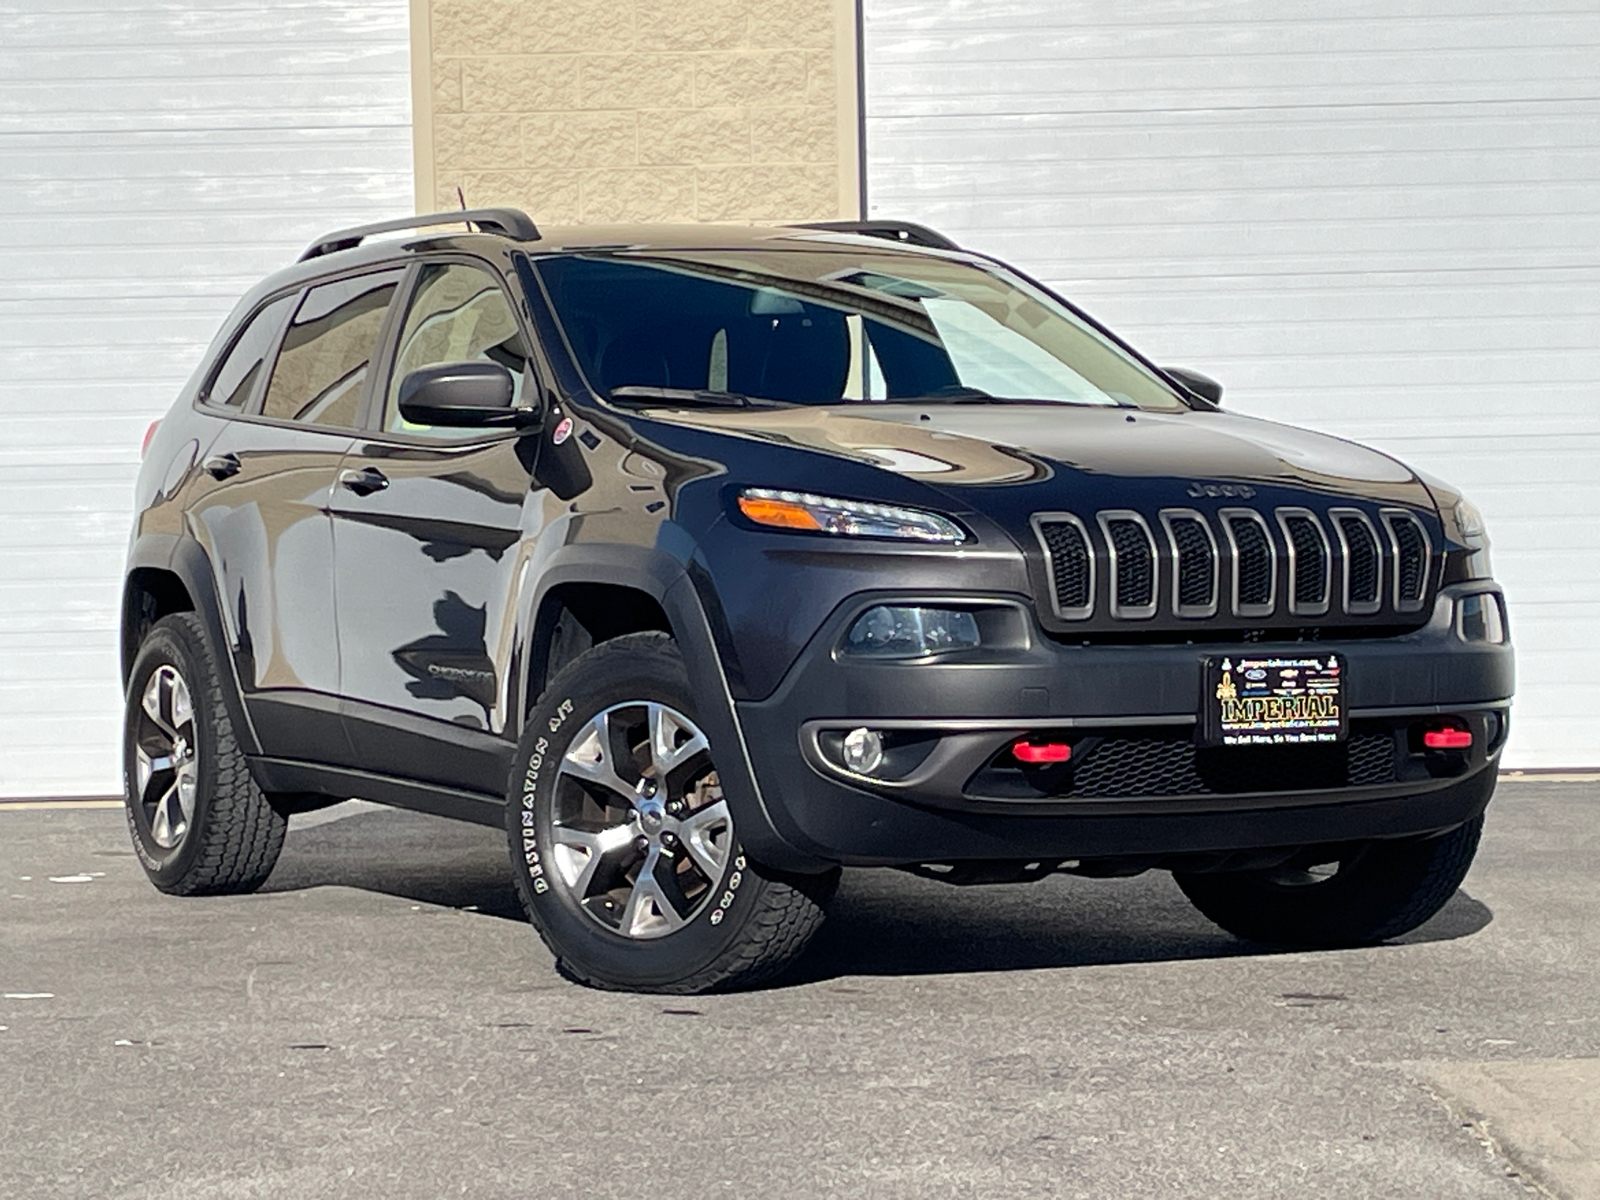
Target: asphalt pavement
<point>380,1022</point>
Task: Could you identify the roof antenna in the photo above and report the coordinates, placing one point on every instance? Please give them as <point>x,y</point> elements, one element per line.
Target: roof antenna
<point>462,199</point>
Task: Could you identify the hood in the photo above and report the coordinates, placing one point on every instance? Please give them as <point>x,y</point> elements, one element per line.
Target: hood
<point>1057,453</point>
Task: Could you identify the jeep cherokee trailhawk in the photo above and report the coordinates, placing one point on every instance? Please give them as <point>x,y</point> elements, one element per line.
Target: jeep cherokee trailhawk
<point>709,560</point>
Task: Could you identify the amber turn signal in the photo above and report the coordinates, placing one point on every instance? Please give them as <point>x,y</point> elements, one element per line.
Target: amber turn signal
<point>784,514</point>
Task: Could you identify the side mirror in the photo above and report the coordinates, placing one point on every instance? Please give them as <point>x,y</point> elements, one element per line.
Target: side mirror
<point>1203,386</point>
<point>463,395</point>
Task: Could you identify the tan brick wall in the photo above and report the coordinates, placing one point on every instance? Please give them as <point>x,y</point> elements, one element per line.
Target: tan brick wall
<point>637,110</point>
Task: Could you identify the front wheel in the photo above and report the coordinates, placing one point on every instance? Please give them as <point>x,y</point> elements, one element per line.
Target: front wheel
<point>1345,896</point>
<point>623,845</point>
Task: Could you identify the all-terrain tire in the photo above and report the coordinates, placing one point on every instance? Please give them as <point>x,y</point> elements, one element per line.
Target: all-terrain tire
<point>746,923</point>
<point>1381,889</point>
<point>230,839</point>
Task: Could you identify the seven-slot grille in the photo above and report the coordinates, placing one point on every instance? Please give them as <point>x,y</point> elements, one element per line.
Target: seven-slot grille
<point>1231,564</point>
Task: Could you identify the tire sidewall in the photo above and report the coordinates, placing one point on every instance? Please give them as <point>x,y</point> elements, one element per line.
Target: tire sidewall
<point>170,643</point>
<point>607,676</point>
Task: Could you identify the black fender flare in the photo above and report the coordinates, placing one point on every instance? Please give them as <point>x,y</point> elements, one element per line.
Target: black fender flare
<point>186,559</point>
<point>668,580</point>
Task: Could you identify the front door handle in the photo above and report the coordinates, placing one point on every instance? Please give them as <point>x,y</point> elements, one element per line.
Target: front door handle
<point>222,466</point>
<point>365,481</point>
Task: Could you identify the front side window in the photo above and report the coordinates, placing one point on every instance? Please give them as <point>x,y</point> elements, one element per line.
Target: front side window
<point>327,352</point>
<point>235,380</point>
<point>828,326</point>
<point>458,313</point>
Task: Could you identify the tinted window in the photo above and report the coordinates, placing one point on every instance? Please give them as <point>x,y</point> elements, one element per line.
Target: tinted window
<point>327,353</point>
<point>827,326</point>
<point>235,380</point>
<point>458,314</point>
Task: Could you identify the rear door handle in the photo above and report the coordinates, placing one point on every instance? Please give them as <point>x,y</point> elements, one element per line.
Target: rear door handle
<point>222,466</point>
<point>365,481</point>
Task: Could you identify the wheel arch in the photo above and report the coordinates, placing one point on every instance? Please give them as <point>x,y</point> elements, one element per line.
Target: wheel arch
<point>613,590</point>
<point>148,594</point>
<point>168,574</point>
<point>577,615</point>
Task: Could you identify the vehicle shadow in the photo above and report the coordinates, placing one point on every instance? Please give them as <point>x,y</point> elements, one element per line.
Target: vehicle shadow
<point>890,923</point>
<point>417,857</point>
<point>882,922</point>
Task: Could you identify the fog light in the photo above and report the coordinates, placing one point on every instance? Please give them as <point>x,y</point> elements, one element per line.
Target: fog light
<point>1479,619</point>
<point>895,631</point>
<point>863,751</point>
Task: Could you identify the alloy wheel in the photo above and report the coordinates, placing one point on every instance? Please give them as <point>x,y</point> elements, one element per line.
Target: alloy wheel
<point>641,834</point>
<point>166,757</point>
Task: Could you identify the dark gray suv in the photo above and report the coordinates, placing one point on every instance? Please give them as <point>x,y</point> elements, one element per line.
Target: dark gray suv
<point>706,561</point>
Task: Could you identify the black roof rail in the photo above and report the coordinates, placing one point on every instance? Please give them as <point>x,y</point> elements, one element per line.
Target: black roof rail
<point>907,232</point>
<point>512,222</point>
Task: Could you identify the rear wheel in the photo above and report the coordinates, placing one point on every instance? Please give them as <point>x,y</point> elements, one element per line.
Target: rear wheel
<point>623,845</point>
<point>1344,896</point>
<point>200,824</point>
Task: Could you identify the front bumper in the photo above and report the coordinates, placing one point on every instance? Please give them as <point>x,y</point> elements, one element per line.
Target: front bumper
<point>951,798</point>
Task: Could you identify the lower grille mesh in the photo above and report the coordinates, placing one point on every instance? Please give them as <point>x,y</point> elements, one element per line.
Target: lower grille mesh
<point>1126,767</point>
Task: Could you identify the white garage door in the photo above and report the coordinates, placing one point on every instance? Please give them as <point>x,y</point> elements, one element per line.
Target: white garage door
<point>157,157</point>
<point>1381,220</point>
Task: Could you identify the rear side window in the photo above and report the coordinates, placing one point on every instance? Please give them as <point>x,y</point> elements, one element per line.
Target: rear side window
<point>327,353</point>
<point>235,380</point>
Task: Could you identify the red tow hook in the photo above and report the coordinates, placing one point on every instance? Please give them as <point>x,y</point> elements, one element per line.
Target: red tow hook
<point>1447,739</point>
<point>1035,753</point>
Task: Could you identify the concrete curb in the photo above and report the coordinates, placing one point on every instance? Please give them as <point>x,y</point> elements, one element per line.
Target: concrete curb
<point>1543,1115</point>
<point>35,803</point>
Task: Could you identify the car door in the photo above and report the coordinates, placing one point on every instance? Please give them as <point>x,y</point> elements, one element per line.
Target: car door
<point>262,515</point>
<point>429,536</point>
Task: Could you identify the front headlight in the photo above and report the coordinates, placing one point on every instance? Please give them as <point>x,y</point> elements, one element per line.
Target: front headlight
<point>1469,521</point>
<point>1470,532</point>
<point>848,518</point>
<point>1467,541</point>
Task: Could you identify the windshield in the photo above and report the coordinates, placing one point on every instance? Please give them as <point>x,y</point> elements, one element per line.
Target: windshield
<point>825,327</point>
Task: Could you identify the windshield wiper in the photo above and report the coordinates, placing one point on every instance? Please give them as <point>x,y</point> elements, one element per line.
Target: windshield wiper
<point>706,397</point>
<point>965,395</point>
<point>957,393</point>
<point>961,394</point>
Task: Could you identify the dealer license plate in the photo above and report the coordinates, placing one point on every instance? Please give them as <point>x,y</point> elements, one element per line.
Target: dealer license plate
<point>1273,700</point>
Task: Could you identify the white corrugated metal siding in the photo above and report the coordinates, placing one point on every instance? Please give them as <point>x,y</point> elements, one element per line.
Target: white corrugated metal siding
<point>157,157</point>
<point>1381,220</point>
